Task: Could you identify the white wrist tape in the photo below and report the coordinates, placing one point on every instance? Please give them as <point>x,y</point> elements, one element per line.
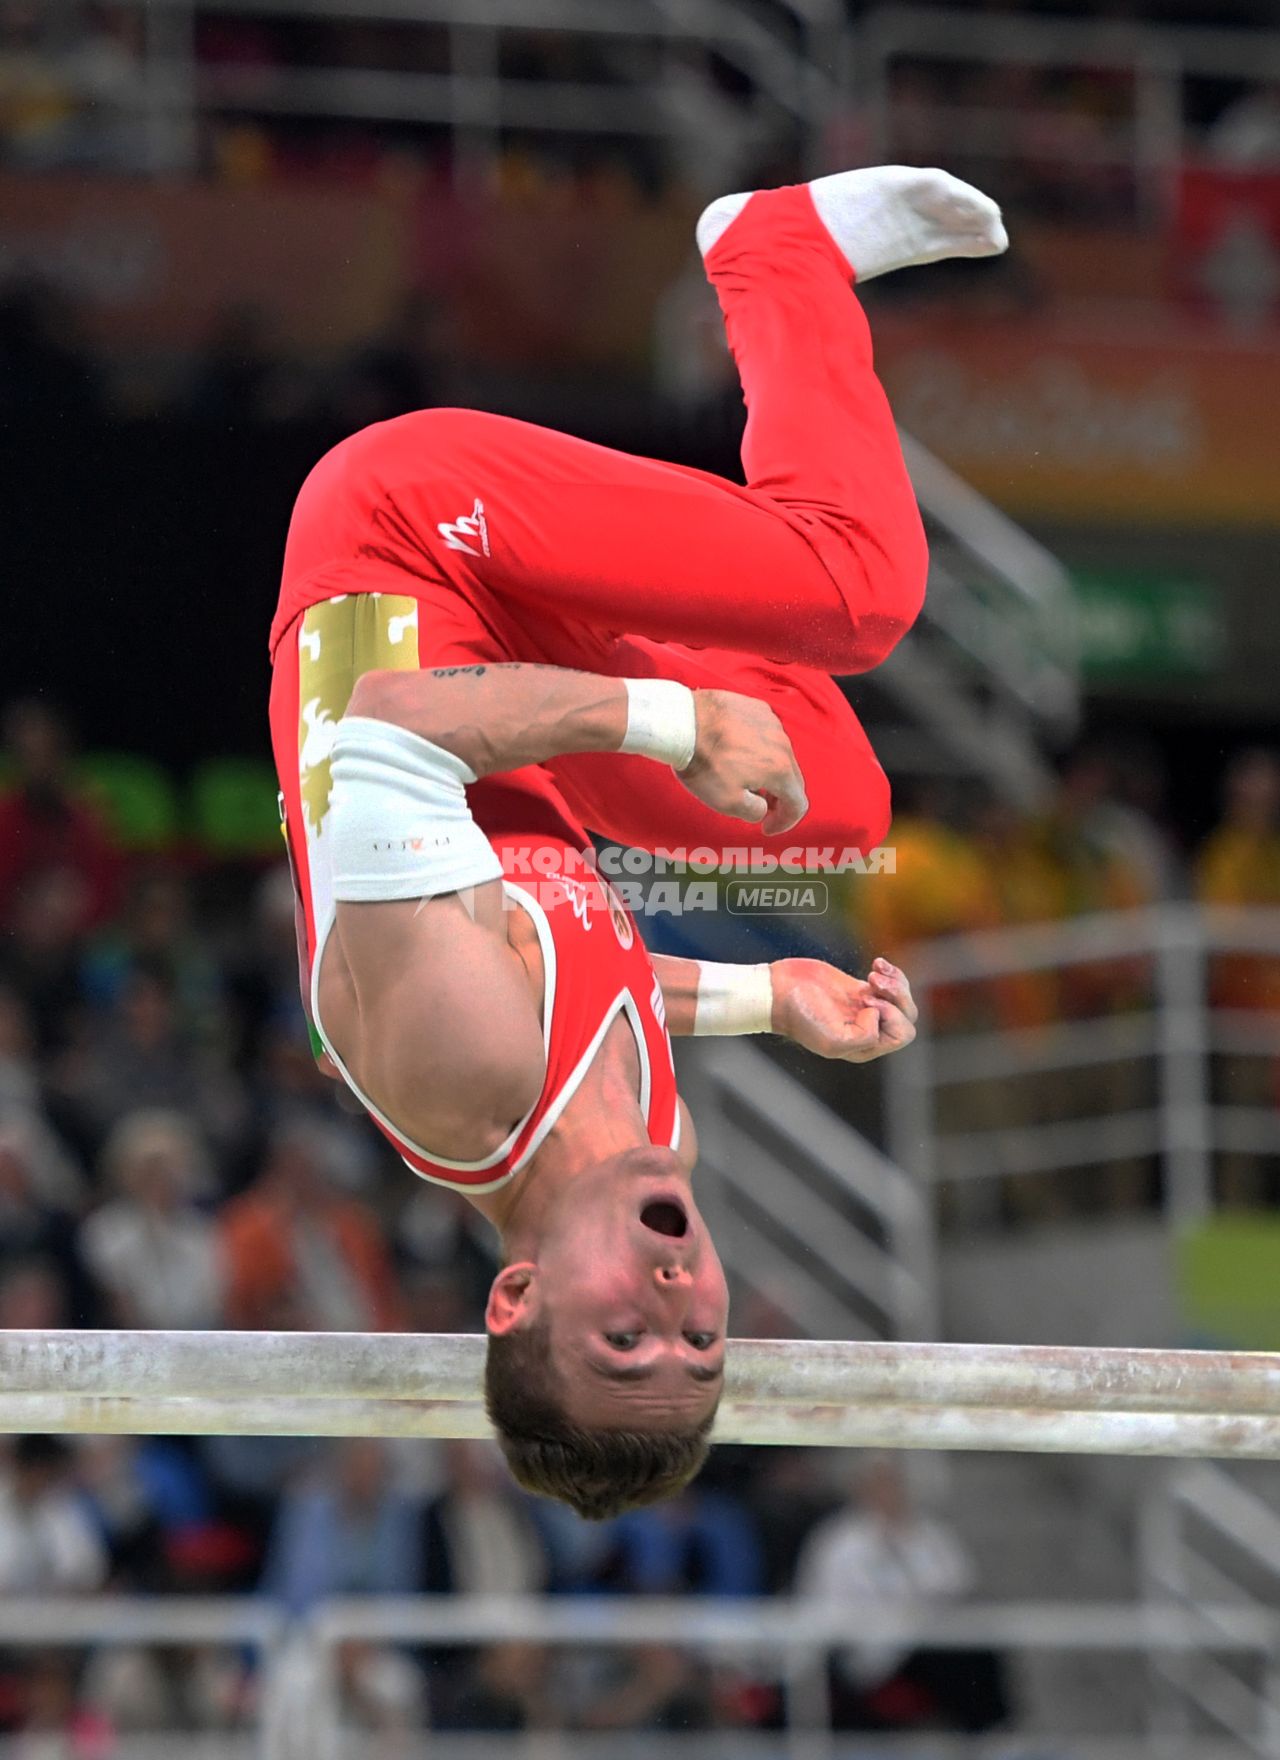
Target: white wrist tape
<point>733,999</point>
<point>661,721</point>
<point>399,818</point>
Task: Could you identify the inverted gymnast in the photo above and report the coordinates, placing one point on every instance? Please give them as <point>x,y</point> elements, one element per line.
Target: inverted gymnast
<point>492,639</point>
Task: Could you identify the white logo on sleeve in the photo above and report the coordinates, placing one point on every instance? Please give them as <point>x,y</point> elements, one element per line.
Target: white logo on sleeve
<point>464,532</point>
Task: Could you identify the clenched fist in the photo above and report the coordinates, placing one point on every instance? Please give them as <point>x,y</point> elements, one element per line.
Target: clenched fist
<point>833,1015</point>
<point>743,764</point>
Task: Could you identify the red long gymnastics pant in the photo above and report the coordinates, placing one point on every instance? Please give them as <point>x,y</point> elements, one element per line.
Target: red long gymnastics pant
<point>524,544</point>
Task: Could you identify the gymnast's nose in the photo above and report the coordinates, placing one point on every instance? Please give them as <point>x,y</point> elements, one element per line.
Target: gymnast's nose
<point>668,1275</point>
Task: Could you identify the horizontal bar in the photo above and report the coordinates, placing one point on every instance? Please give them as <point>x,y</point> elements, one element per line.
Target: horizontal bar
<point>853,1394</point>
<point>428,1368</point>
<point>1003,1430</point>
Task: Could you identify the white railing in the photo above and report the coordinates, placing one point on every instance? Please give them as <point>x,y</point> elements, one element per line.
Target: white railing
<point>1171,1028</point>
<point>174,1622</point>
<point>786,1642</point>
<point>778,1641</point>
<point>804,1208</point>
<point>1206,1534</point>
<point>473,98</point>
<point>992,674</point>
<point>1159,58</point>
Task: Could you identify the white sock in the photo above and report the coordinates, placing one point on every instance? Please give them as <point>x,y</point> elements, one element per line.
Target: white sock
<point>888,217</point>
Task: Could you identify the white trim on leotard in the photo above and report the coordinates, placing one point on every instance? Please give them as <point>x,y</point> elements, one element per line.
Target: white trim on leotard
<point>547,943</point>
<point>623,1003</point>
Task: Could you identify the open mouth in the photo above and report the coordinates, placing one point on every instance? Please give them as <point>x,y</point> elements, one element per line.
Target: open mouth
<point>665,1217</point>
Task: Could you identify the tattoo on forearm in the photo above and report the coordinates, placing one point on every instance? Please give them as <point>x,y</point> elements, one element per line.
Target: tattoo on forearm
<point>479,671</point>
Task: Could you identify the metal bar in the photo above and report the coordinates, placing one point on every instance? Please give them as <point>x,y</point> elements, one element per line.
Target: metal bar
<point>813,1131</point>
<point>446,1368</point>
<point>140,1619</point>
<point>1018,1051</point>
<point>842,1394</point>
<point>947,33</point>
<point>470,100</point>
<point>1105,935</point>
<point>994,1429</point>
<point>1183,1068</point>
<point>1045,1148</point>
<point>715,1623</point>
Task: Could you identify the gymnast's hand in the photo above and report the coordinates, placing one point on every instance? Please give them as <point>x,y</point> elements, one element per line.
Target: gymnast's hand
<point>743,764</point>
<point>834,1015</point>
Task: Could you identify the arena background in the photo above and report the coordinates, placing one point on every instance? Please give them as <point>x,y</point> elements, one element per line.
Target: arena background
<point>230,234</point>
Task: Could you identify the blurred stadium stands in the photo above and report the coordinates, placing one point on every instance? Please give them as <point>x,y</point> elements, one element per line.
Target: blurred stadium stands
<point>231,233</point>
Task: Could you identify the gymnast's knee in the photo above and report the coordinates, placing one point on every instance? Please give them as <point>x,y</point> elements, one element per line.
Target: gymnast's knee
<point>883,592</point>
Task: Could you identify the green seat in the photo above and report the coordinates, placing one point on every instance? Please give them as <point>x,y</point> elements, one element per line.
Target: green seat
<point>1229,1280</point>
<point>234,810</point>
<point>135,796</point>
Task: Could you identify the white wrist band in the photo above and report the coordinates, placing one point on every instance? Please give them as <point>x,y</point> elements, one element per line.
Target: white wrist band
<point>733,999</point>
<point>661,721</point>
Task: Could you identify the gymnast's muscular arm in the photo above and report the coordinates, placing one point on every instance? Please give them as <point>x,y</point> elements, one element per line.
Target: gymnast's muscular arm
<point>432,1003</point>
<point>501,717</point>
<point>815,1005</point>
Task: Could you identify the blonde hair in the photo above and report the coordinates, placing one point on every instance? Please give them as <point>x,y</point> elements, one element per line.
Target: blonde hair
<point>150,1131</point>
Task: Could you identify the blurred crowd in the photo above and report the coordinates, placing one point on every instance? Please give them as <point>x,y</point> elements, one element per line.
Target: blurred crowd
<point>171,1158</point>
<point>1104,841</point>
<point>244,376</point>
<point>1055,142</point>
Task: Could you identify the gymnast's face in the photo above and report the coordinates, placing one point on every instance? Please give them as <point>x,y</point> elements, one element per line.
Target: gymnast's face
<point>635,1297</point>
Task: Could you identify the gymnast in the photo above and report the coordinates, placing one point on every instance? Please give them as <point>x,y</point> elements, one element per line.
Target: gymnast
<point>493,639</point>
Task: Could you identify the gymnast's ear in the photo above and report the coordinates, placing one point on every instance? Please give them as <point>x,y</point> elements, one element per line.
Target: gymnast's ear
<point>514,1300</point>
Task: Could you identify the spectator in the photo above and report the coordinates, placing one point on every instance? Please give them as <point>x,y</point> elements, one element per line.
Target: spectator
<point>1239,864</point>
<point>56,1718</point>
<point>880,1552</point>
<point>700,1543</point>
<point>40,1194</point>
<point>449,1250</point>
<point>789,1494</point>
<point>41,957</point>
<point>48,376</point>
<point>480,1538</point>
<point>46,823</point>
<point>1246,136</point>
<point>34,1298</point>
<point>262,964</point>
<point>153,1253</point>
<point>297,1253</point>
<point>156,932</point>
<point>48,1542</point>
<point>19,1074</point>
<point>145,1058</point>
<point>939,884</point>
<point>382,1694</point>
<point>1064,863</point>
<point>241,380</point>
<point>67,85</point>
<point>403,368</point>
<point>350,1532</point>
<point>36,102</point>
<point>151,1503</point>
